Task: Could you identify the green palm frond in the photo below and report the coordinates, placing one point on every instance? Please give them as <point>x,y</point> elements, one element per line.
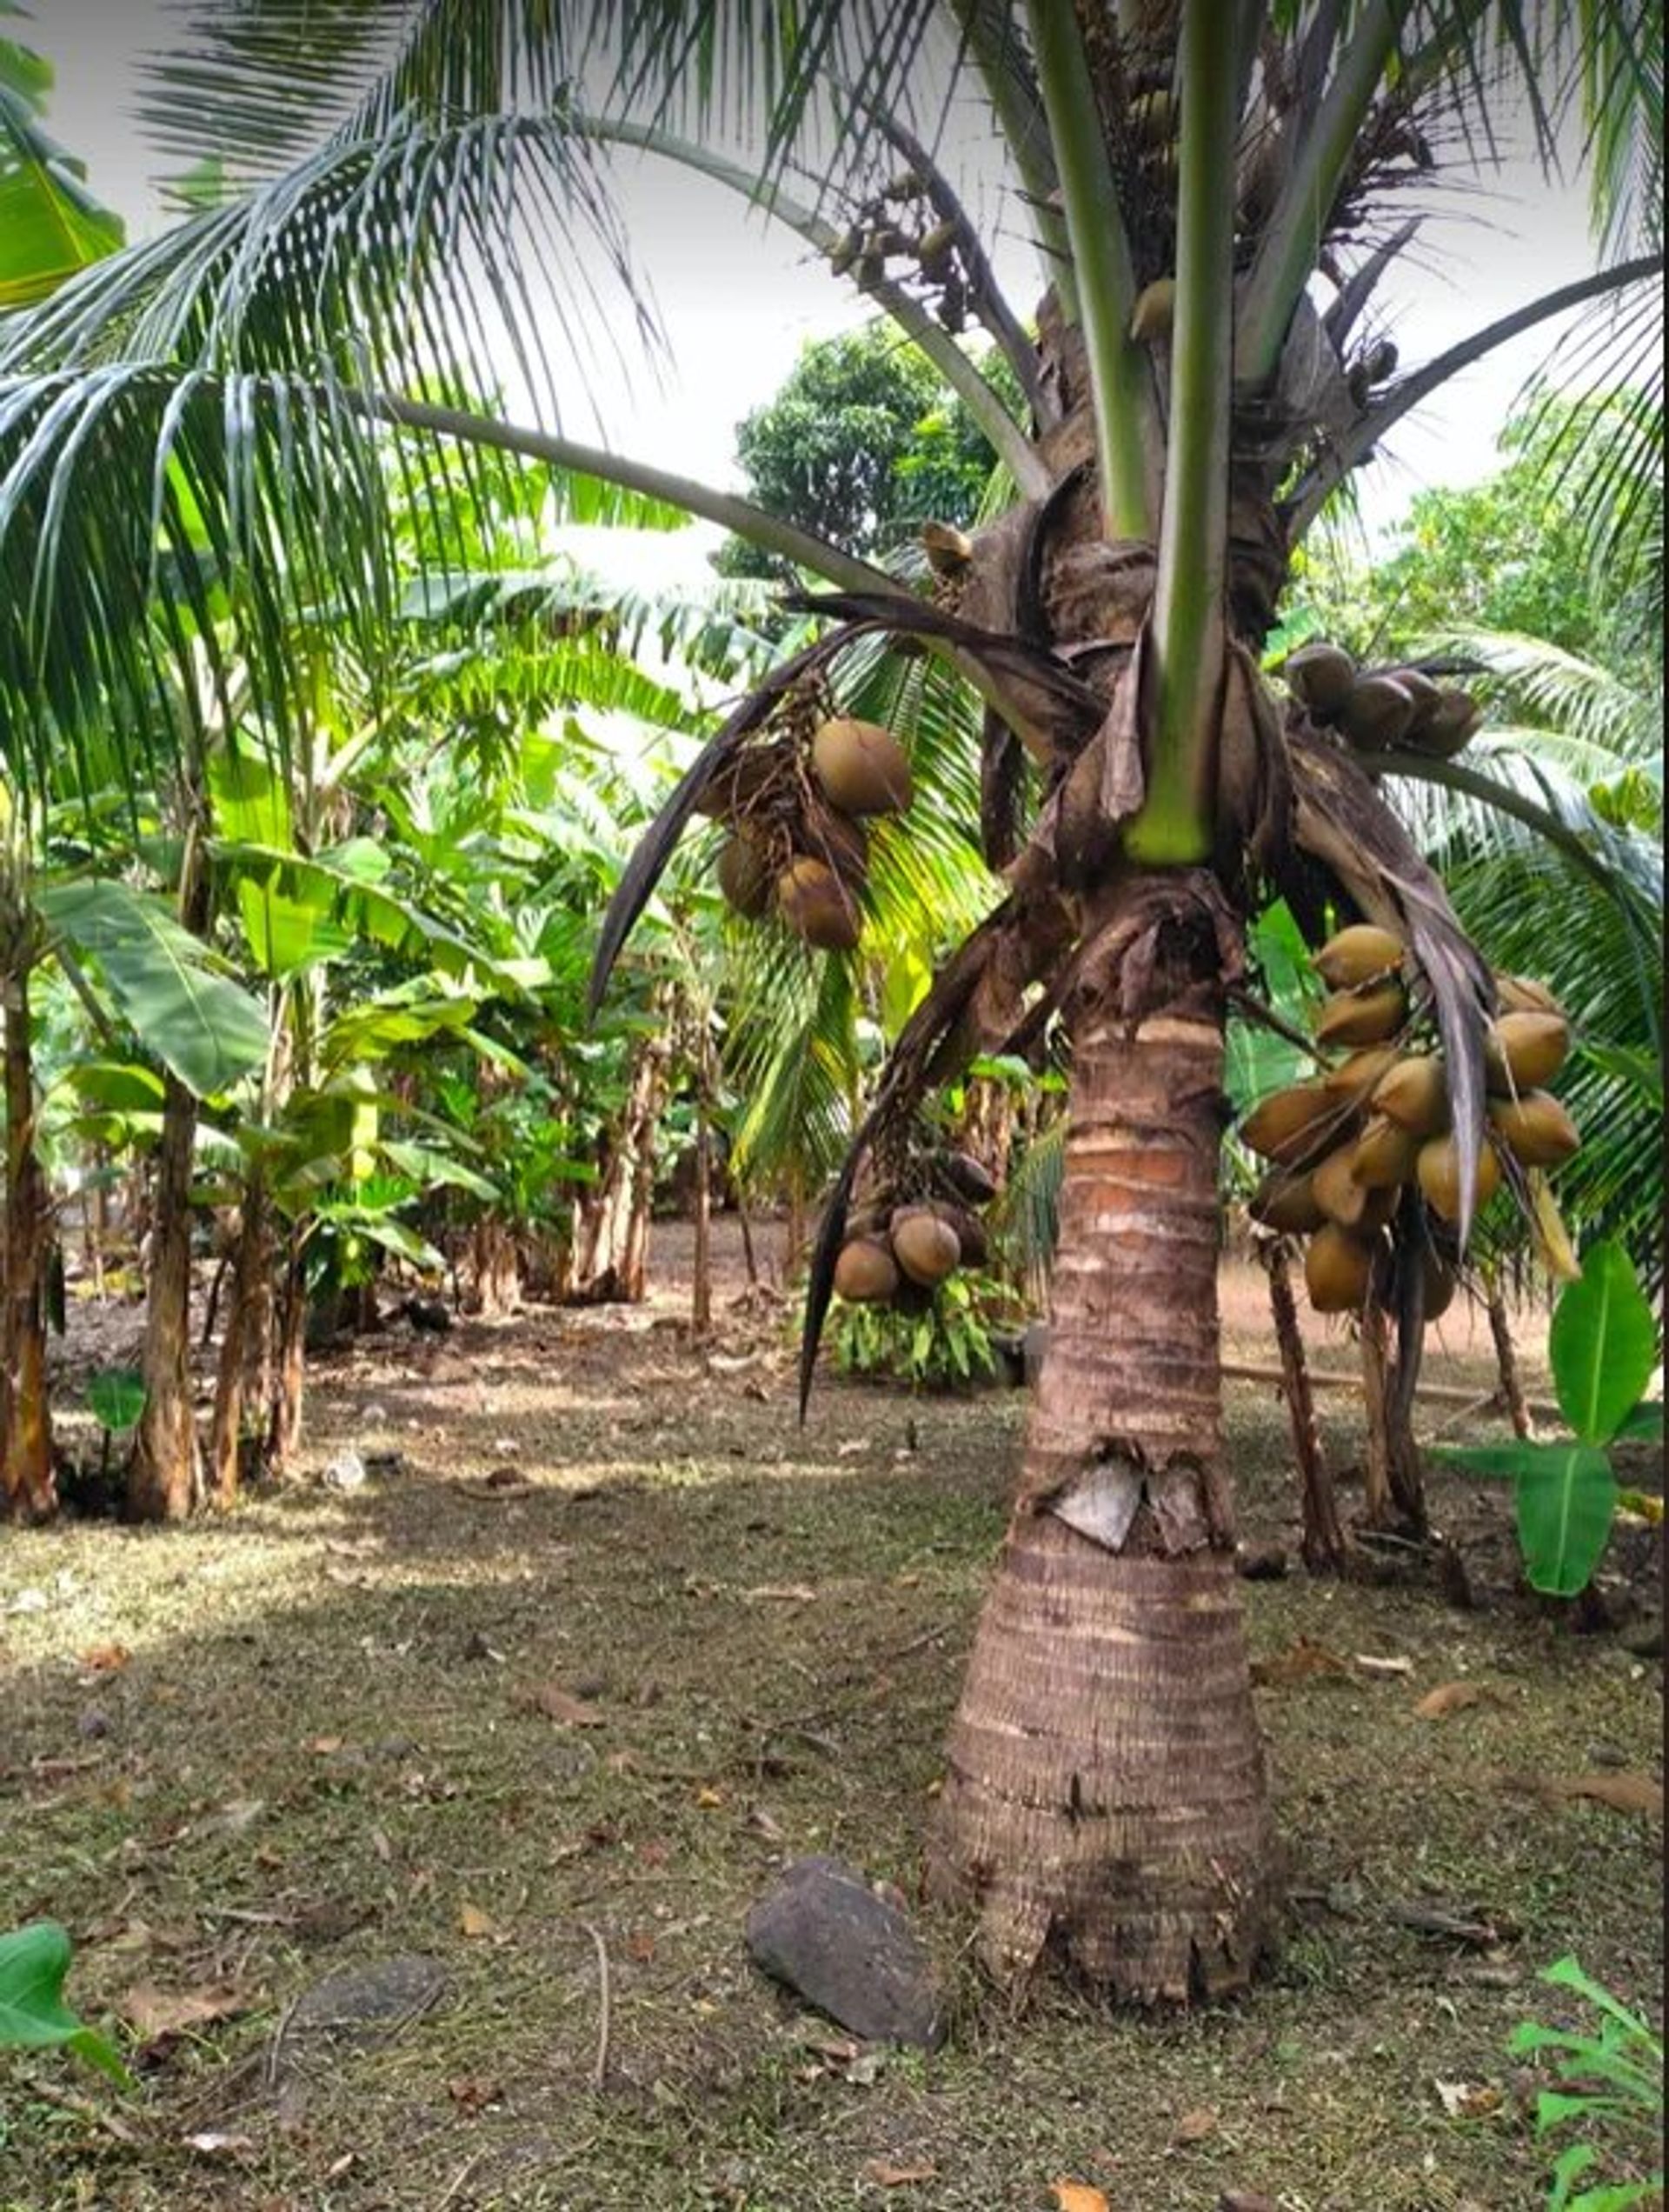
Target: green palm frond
<point>51,226</point>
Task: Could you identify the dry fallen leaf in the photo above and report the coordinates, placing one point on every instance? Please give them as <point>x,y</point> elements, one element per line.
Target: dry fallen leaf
<point>214,2143</point>
<point>1467,2100</point>
<point>1372,1663</point>
<point>106,1658</point>
<point>787,1593</point>
<point>710,1799</point>
<point>1303,1661</point>
<point>1078,2197</point>
<point>472,1921</point>
<point>474,2092</point>
<point>561,1706</point>
<point>1194,2126</point>
<point>1450,1697</point>
<point>152,2012</point>
<point>885,2175</point>
<point>1624,1793</point>
<point>322,1746</point>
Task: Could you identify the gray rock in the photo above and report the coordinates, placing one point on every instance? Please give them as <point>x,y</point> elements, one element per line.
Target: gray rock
<point>825,1933</point>
<point>1644,1638</point>
<point>345,1472</point>
<point>370,1996</point>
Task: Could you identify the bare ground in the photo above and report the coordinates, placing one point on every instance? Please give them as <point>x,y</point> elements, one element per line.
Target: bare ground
<point>579,1719</point>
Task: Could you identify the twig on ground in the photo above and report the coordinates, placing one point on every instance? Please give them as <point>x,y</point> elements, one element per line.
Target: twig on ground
<point>600,2064</point>
<point>84,2109</point>
<point>275,2047</point>
<point>456,2185</point>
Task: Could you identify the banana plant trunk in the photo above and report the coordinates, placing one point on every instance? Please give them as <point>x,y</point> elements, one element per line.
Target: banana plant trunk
<point>165,1473</point>
<point>612,1247</point>
<point>244,1347</point>
<point>27,1488</point>
<point>1105,1805</point>
<point>289,1371</point>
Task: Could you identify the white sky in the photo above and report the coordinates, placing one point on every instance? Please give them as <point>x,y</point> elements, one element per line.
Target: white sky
<point>739,297</point>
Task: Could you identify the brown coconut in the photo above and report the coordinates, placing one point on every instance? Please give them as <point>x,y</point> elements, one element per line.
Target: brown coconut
<point>1359,955</point>
<point>861,767</point>
<point>1524,1051</point>
<point>1425,695</point>
<point>969,1179</point>
<point>1292,1127</point>
<point>971,1233</point>
<point>839,842</point>
<point>1345,1199</point>
<point>1338,1267</point>
<point>1366,1016</point>
<point>1385,1154</point>
<point>1415,1095</point>
<point>1441,1283</point>
<point>1450,726</point>
<point>866,1272</point>
<point>1286,1202</point>
<point>1355,1078</point>
<point>926,1248</point>
<point>1524,995</point>
<point>816,906</point>
<point>1535,1129</point>
<point>1322,676</point>
<point>1439,1171</point>
<point>745,877</point>
<point>1377,715</point>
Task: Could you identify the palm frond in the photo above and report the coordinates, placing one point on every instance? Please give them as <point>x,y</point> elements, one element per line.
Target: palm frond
<point>1596,724</point>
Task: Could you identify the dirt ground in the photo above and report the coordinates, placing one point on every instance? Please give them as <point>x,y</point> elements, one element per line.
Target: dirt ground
<point>549,1705</point>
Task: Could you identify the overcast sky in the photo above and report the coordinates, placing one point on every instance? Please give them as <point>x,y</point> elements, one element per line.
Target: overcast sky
<point>739,297</point>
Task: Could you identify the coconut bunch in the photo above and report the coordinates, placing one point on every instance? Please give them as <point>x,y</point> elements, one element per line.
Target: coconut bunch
<point>1367,1142</point>
<point>1377,710</point>
<point>798,809</point>
<point>897,233</point>
<point>899,1249</point>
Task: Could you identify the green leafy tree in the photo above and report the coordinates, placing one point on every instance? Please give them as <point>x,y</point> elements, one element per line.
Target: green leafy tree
<point>1189,403</point>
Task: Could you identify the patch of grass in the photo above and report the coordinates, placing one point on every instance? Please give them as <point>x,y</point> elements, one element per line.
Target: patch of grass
<point>324,1744</point>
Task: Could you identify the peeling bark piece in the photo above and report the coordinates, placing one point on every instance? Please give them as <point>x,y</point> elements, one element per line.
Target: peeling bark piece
<point>1101,1504</point>
<point>824,1933</point>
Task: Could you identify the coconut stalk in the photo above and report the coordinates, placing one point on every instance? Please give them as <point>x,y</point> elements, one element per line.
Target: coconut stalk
<point>1507,1359</point>
<point>1103,274</point>
<point>1323,1545</point>
<point>1175,825</point>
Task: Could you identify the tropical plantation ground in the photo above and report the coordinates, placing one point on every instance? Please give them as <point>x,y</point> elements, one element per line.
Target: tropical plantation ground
<point>547,1702</point>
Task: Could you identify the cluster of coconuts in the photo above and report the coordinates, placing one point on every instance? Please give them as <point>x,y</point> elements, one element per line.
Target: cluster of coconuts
<point>898,1255</point>
<point>1375,709</point>
<point>1344,1147</point>
<point>900,225</point>
<point>799,845</point>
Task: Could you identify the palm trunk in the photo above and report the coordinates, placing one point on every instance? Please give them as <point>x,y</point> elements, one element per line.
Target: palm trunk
<point>27,1488</point>
<point>164,1476</point>
<point>1105,1803</point>
<point>1323,1542</point>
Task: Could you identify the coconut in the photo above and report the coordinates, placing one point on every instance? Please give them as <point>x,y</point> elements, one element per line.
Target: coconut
<point>1450,726</point>
<point>948,549</point>
<point>1366,1016</point>
<point>1359,955</point>
<point>1286,1202</point>
<point>1322,677</point>
<point>1441,1283</point>
<point>1355,1077</point>
<point>1535,1129</point>
<point>968,1178</point>
<point>839,842</point>
<point>741,780</point>
<point>1385,1154</point>
<point>1344,1199</point>
<point>861,767</point>
<point>817,907</point>
<point>866,1272</point>
<point>1415,1095</point>
<point>1291,1127</point>
<point>1524,995</point>
<point>926,1248</point>
<point>1425,695</point>
<point>1439,1171</point>
<point>1377,715</point>
<point>1155,311</point>
<point>1524,1051</point>
<point>970,1232</point>
<point>936,245</point>
<point>745,877</point>
<point>1338,1267</point>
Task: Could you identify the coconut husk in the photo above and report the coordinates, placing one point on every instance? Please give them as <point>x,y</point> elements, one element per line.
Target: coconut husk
<point>1524,1051</point>
<point>1377,714</point>
<point>1535,1129</point>
<point>1322,676</point>
<point>1360,954</point>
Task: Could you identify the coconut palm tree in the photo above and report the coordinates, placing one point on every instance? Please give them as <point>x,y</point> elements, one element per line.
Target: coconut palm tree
<point>412,191</point>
